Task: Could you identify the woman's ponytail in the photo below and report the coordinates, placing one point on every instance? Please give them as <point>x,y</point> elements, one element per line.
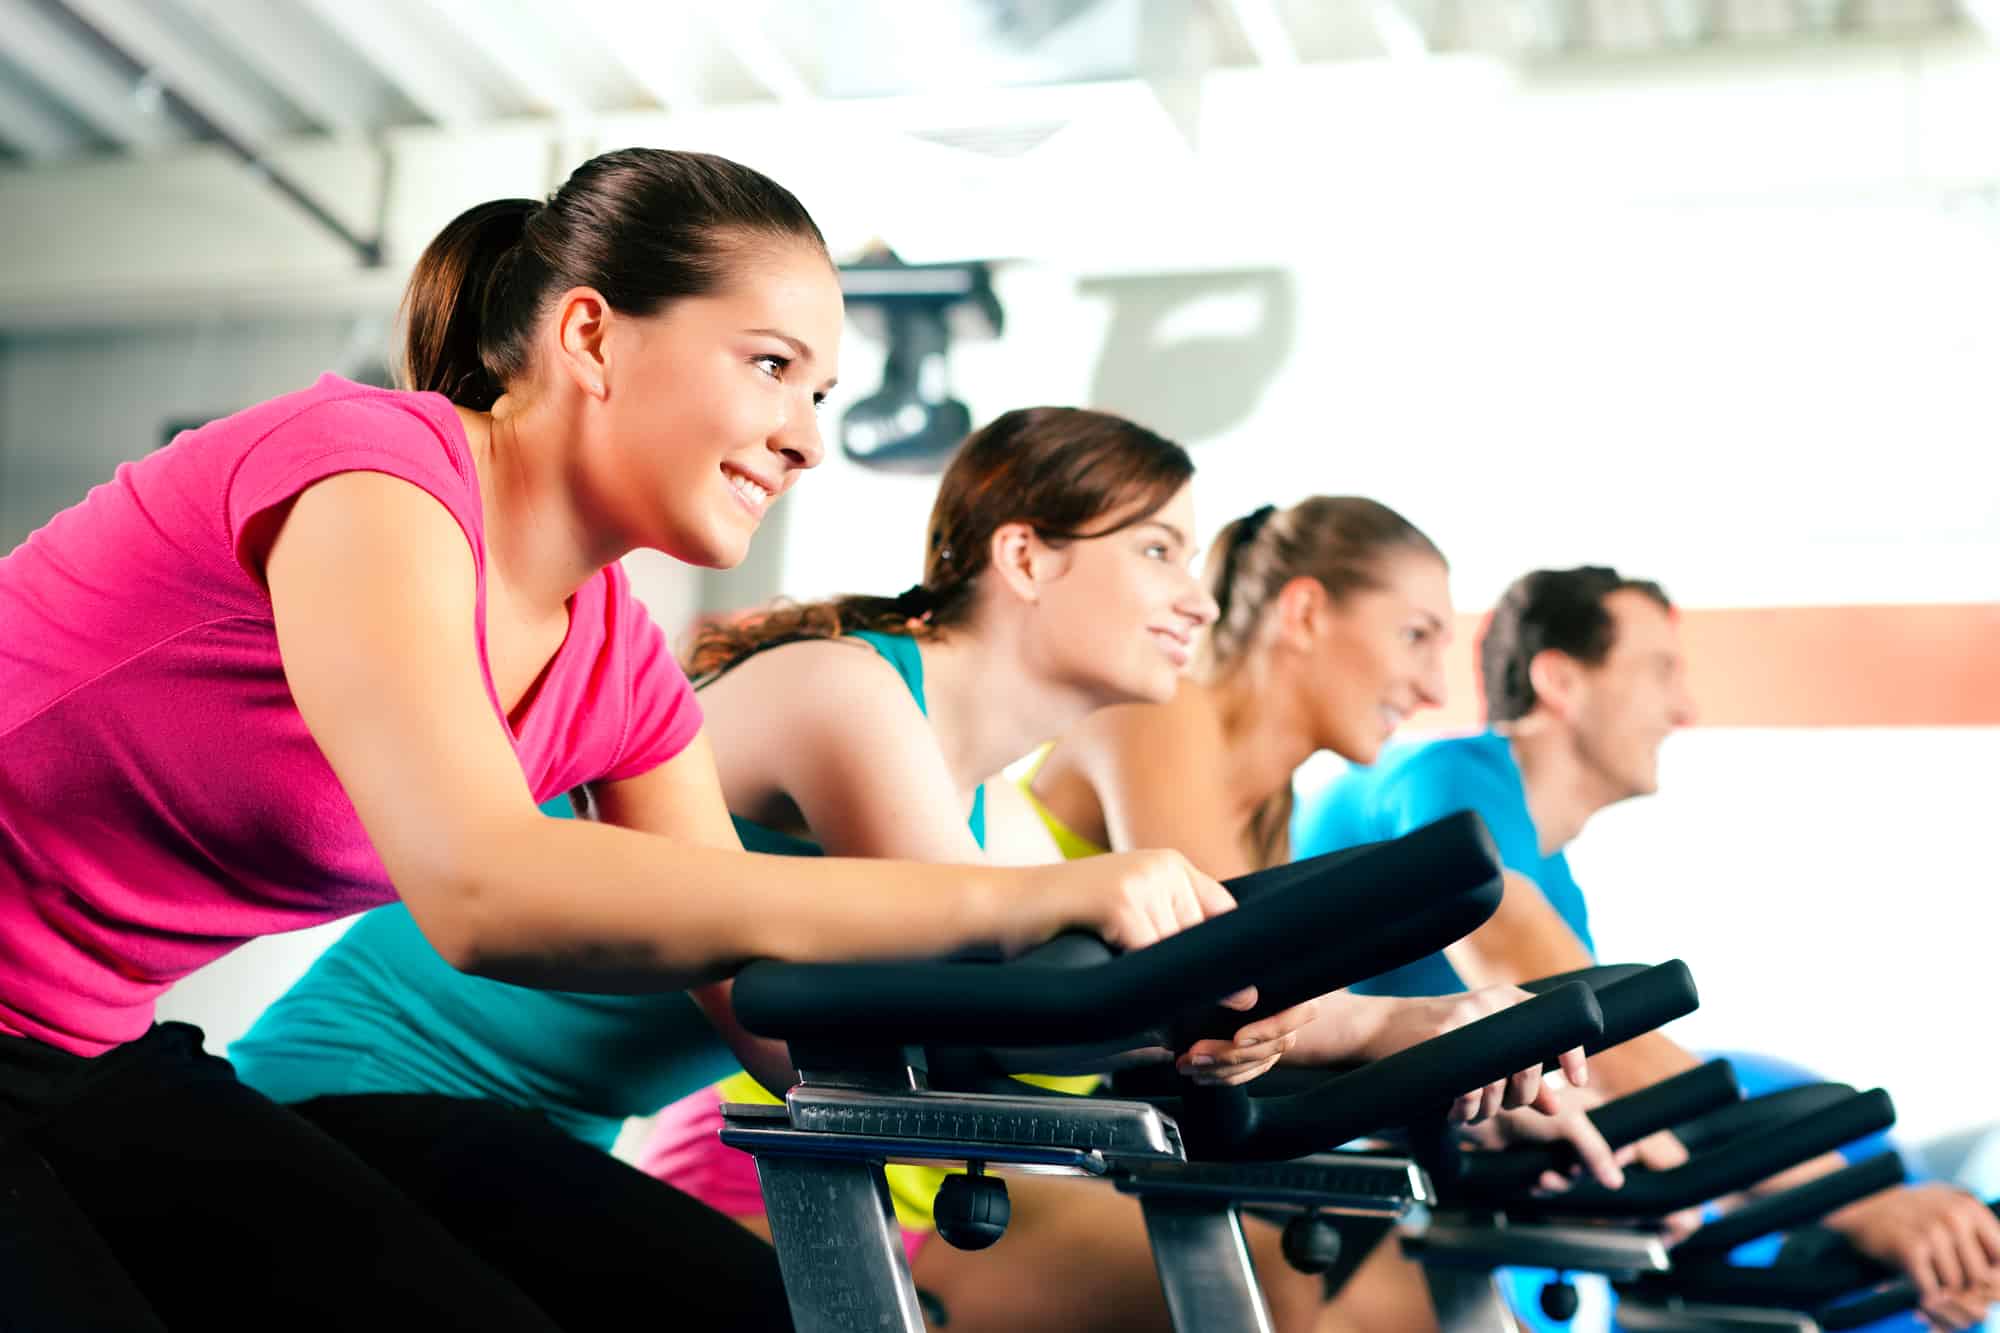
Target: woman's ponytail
<point>444,305</point>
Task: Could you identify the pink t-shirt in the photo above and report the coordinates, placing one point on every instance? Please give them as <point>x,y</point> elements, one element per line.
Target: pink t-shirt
<point>161,801</point>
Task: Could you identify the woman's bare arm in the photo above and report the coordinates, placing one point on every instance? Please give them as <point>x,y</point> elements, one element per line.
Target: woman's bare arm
<point>372,592</point>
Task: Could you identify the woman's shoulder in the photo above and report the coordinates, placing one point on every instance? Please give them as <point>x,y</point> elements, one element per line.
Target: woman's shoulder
<point>814,678</point>
<point>1187,724</point>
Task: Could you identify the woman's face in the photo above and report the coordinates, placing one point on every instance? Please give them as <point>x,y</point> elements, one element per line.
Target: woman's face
<point>709,411</point>
<point>1120,617</point>
<point>1379,655</point>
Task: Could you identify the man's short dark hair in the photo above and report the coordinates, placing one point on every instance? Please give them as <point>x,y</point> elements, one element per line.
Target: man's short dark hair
<point>1561,609</point>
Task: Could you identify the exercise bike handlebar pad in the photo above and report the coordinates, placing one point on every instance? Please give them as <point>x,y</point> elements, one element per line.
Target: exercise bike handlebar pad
<point>1736,1165</point>
<point>1795,1207</point>
<point>1635,999</point>
<point>1332,906</point>
<point>1228,1124</point>
<point>1813,1285</point>
<point>1404,939</point>
<point>1510,1171</point>
<point>1667,1103</point>
<point>1641,1001</point>
<point>1597,977</point>
<point>1708,1132</point>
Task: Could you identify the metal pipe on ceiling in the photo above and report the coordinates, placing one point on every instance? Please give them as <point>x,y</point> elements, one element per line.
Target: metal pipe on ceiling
<point>174,103</point>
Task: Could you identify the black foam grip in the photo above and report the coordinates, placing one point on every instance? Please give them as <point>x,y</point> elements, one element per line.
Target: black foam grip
<point>1893,1298</point>
<point>1496,1175</point>
<point>1314,932</point>
<point>1667,1103</point>
<point>1711,1131</point>
<point>1736,1165</point>
<point>1821,1285</point>
<point>1833,1272</point>
<point>1598,978</point>
<point>1409,1085</point>
<point>1801,1287</point>
<point>1390,944</point>
<point>1795,1207</point>
<point>1648,999</point>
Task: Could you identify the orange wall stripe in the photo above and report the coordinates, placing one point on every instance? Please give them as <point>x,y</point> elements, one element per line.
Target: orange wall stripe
<point>1808,666</point>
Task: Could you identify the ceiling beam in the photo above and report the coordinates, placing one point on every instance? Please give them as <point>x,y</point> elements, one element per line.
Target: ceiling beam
<point>1401,33</point>
<point>261,35</point>
<point>379,34</point>
<point>218,92</point>
<point>1264,28</point>
<point>635,33</point>
<point>1824,16</point>
<point>540,81</point>
<point>174,104</point>
<point>1985,16</point>
<point>1686,22</point>
<point>736,27</point>
<point>29,127</point>
<point>101,94</point>
<point>1545,26</point>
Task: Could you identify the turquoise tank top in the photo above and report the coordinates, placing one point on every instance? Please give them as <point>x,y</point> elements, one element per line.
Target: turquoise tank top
<point>381,1012</point>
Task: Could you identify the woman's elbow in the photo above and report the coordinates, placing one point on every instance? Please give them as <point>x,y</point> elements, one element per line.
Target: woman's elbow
<point>456,913</point>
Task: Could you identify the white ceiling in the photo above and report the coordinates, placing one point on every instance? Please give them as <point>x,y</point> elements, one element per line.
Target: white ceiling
<point>89,78</point>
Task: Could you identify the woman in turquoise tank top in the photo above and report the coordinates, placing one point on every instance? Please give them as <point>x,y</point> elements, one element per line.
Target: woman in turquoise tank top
<point>1053,587</point>
<point>1057,581</point>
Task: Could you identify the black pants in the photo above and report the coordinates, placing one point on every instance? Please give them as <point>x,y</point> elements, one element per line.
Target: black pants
<point>597,1243</point>
<point>147,1189</point>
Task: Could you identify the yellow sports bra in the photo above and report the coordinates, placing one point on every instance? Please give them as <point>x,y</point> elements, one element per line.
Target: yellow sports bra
<point>1073,845</point>
<point>913,1189</point>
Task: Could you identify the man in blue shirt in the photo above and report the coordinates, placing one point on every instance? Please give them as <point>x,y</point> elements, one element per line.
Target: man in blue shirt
<point>1584,679</point>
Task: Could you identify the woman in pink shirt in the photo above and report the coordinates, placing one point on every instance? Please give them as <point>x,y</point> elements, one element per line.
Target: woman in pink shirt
<point>333,650</point>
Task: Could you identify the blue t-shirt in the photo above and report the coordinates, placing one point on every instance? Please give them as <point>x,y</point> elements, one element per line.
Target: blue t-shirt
<point>1416,784</point>
<point>381,1012</point>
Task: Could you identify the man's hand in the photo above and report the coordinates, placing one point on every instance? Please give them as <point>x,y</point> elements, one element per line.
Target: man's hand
<point>1946,1240</point>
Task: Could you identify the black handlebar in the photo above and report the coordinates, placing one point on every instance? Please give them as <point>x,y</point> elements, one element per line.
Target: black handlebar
<point>1499,1176</point>
<point>1300,930</point>
<point>1711,1131</point>
<point>1635,998</point>
<point>1228,1124</point>
<point>1795,1207</point>
<point>1736,1165</point>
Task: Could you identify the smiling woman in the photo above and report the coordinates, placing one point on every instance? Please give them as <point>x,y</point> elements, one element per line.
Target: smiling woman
<point>1331,621</point>
<point>1334,616</point>
<point>704,409</point>
<point>1040,486</point>
<point>1058,561</point>
<point>331,652</point>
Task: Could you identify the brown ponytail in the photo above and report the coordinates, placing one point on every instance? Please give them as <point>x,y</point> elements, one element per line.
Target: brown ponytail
<point>1064,471</point>
<point>441,306</point>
